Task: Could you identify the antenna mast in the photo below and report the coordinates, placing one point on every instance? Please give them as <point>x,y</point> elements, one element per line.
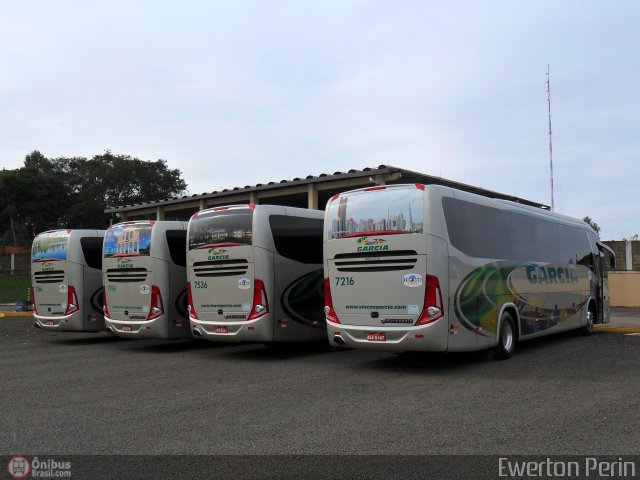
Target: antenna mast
<point>550,142</point>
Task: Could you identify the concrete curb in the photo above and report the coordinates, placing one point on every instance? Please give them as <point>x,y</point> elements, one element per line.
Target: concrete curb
<point>16,314</point>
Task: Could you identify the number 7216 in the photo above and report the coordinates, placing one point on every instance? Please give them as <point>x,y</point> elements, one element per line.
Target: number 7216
<point>345,281</point>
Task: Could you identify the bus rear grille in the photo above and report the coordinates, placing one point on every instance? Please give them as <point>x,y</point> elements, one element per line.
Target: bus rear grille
<point>127,274</point>
<point>386,261</point>
<point>54,276</point>
<point>220,268</point>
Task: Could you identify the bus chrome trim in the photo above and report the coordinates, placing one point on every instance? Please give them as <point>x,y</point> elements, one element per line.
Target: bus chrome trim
<point>217,323</point>
<point>133,322</point>
<point>65,317</point>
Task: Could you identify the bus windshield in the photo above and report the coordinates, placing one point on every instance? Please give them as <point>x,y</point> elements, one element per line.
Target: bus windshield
<point>228,227</point>
<point>384,211</point>
<point>50,246</point>
<point>128,241</point>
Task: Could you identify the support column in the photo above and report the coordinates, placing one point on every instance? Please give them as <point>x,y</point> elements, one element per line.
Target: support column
<point>379,180</point>
<point>201,204</point>
<point>159,213</point>
<point>253,198</point>
<point>628,255</point>
<point>123,216</point>
<point>312,196</point>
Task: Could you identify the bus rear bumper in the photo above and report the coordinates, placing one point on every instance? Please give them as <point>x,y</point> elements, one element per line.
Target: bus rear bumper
<point>156,328</point>
<point>428,338</point>
<point>66,323</point>
<point>259,330</point>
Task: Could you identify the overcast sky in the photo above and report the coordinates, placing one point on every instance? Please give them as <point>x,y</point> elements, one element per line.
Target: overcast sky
<point>242,92</point>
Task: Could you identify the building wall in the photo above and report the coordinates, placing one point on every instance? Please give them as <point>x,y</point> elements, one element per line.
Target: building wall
<point>620,249</point>
<point>22,264</point>
<point>625,289</point>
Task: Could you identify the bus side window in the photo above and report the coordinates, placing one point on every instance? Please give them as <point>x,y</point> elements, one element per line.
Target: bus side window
<point>547,239</point>
<point>525,246</point>
<point>498,234</point>
<point>298,238</point>
<point>464,226</point>
<point>92,251</point>
<point>177,242</point>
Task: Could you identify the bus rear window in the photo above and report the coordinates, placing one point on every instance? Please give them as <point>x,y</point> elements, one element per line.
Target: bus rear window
<point>128,241</point>
<point>50,246</point>
<point>225,226</point>
<point>389,210</point>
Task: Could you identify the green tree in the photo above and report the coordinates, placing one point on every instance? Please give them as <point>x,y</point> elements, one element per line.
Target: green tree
<point>31,201</point>
<point>591,223</point>
<point>109,180</point>
<point>73,192</point>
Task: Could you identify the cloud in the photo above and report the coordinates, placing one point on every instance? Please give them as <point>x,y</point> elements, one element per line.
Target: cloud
<point>238,93</point>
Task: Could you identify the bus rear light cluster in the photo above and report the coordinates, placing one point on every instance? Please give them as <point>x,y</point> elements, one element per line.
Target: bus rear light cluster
<point>72,301</point>
<point>433,306</point>
<point>105,308</point>
<point>329,312</point>
<point>157,307</point>
<point>260,304</point>
<point>190,305</point>
<point>33,299</point>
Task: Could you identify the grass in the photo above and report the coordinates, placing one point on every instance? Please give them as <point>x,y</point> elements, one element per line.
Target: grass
<point>14,288</point>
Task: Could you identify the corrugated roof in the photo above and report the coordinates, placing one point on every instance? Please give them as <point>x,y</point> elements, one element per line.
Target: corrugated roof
<point>407,176</point>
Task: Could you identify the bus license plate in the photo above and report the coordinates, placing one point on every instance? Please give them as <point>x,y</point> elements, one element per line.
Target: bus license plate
<point>376,337</point>
<point>49,322</point>
<point>221,330</point>
<point>126,328</point>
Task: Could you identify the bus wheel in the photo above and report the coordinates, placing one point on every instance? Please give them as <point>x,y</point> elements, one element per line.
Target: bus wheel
<point>591,319</point>
<point>507,338</point>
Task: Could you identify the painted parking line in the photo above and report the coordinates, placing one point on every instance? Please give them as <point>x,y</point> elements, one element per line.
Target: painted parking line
<point>634,334</point>
<point>601,328</point>
<point>16,314</point>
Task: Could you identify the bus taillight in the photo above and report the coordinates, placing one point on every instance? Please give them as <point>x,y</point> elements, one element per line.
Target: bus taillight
<point>190,306</point>
<point>35,308</point>
<point>329,312</point>
<point>433,306</point>
<point>72,301</point>
<point>157,308</point>
<point>105,308</point>
<point>260,305</point>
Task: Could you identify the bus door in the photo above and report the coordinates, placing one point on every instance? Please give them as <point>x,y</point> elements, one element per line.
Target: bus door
<point>606,261</point>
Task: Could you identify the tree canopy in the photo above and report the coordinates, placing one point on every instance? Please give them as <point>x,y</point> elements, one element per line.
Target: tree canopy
<point>73,192</point>
<point>589,221</point>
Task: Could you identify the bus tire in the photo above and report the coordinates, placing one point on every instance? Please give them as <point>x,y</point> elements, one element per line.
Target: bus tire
<point>507,337</point>
<point>591,319</point>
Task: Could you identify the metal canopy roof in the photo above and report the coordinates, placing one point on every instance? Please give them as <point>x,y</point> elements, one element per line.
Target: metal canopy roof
<point>366,174</point>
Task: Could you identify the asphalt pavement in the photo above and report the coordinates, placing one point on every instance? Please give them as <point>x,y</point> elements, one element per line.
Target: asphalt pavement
<point>74,393</point>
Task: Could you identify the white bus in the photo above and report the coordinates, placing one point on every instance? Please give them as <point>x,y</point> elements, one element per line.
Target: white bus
<point>145,279</point>
<point>255,274</point>
<point>414,267</point>
<point>66,275</point>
